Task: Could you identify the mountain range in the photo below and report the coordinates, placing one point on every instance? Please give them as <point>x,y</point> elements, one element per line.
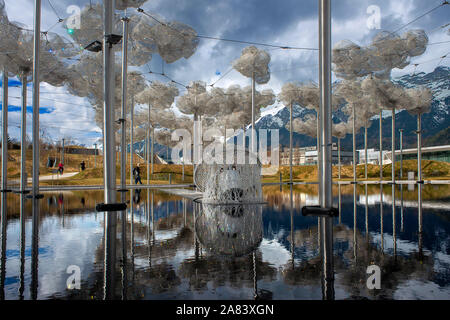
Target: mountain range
<point>435,124</point>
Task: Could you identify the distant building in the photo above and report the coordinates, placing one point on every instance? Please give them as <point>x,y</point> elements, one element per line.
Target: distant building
<point>308,156</point>
<point>438,153</point>
<point>373,156</point>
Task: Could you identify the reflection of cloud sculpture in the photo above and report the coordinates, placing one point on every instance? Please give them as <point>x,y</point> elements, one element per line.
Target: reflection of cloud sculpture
<point>233,230</point>
<point>254,63</point>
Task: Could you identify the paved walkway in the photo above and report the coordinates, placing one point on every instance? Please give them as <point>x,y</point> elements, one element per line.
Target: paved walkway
<point>55,176</point>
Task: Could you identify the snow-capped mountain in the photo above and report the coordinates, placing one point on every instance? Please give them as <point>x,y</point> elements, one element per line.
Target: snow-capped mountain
<point>437,120</point>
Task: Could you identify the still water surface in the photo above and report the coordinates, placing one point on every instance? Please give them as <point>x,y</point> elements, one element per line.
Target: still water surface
<point>176,249</point>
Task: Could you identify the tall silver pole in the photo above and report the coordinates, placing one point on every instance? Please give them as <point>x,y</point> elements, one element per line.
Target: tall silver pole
<point>152,148</point>
<point>253,132</point>
<point>326,200</point>
<point>354,144</point>
<point>401,153</point>
<point>393,146</point>
<point>35,249</point>
<point>123,153</point>
<point>36,82</point>
<point>23,135</point>
<point>381,145</point>
<point>339,158</point>
<point>131,138</point>
<point>109,155</point>
<point>62,151</point>
<point>290,143</point>
<point>419,148</point>
<point>5,131</point>
<point>95,156</point>
<point>365,153</point>
<point>148,143</point>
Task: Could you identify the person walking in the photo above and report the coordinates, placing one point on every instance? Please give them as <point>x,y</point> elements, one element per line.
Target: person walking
<point>137,174</point>
<point>61,168</point>
<point>83,165</point>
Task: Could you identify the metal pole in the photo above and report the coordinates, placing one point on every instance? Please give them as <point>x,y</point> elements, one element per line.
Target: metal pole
<point>62,152</point>
<point>393,146</point>
<point>318,142</point>
<point>148,143</point>
<point>35,249</point>
<point>5,132</point>
<point>131,138</point>
<point>401,153</point>
<point>381,145</point>
<point>354,144</point>
<point>419,148</point>
<point>109,156</point>
<point>290,143</point>
<point>365,153</point>
<point>339,158</point>
<point>326,200</point>
<point>36,82</point>
<point>95,156</point>
<point>23,135</point>
<point>123,153</point>
<point>253,132</point>
<point>152,151</point>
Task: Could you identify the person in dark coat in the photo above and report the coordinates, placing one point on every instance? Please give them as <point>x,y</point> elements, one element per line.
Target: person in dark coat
<point>137,174</point>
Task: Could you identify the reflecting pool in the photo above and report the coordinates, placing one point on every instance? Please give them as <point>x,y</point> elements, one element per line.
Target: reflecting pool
<point>167,247</point>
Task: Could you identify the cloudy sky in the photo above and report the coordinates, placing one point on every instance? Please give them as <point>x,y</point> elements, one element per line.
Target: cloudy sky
<point>282,22</point>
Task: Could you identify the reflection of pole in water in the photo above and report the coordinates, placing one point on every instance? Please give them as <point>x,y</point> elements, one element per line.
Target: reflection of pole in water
<point>152,240</point>
<point>196,243</point>
<point>339,202</point>
<point>401,208</point>
<point>255,276</point>
<point>22,246</point>
<point>381,218</point>
<point>420,216</point>
<point>184,211</point>
<point>153,218</point>
<point>110,256</point>
<point>132,232</point>
<point>354,222</point>
<point>34,249</point>
<point>394,232</point>
<point>367,210</point>
<point>3,254</point>
<point>124,248</point>
<point>327,258</point>
<point>291,209</point>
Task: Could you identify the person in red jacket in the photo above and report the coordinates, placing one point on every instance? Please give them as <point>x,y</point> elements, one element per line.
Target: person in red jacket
<point>61,168</point>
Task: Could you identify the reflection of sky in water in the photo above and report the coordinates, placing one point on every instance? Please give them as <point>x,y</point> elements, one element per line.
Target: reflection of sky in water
<point>76,239</point>
<point>59,247</point>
